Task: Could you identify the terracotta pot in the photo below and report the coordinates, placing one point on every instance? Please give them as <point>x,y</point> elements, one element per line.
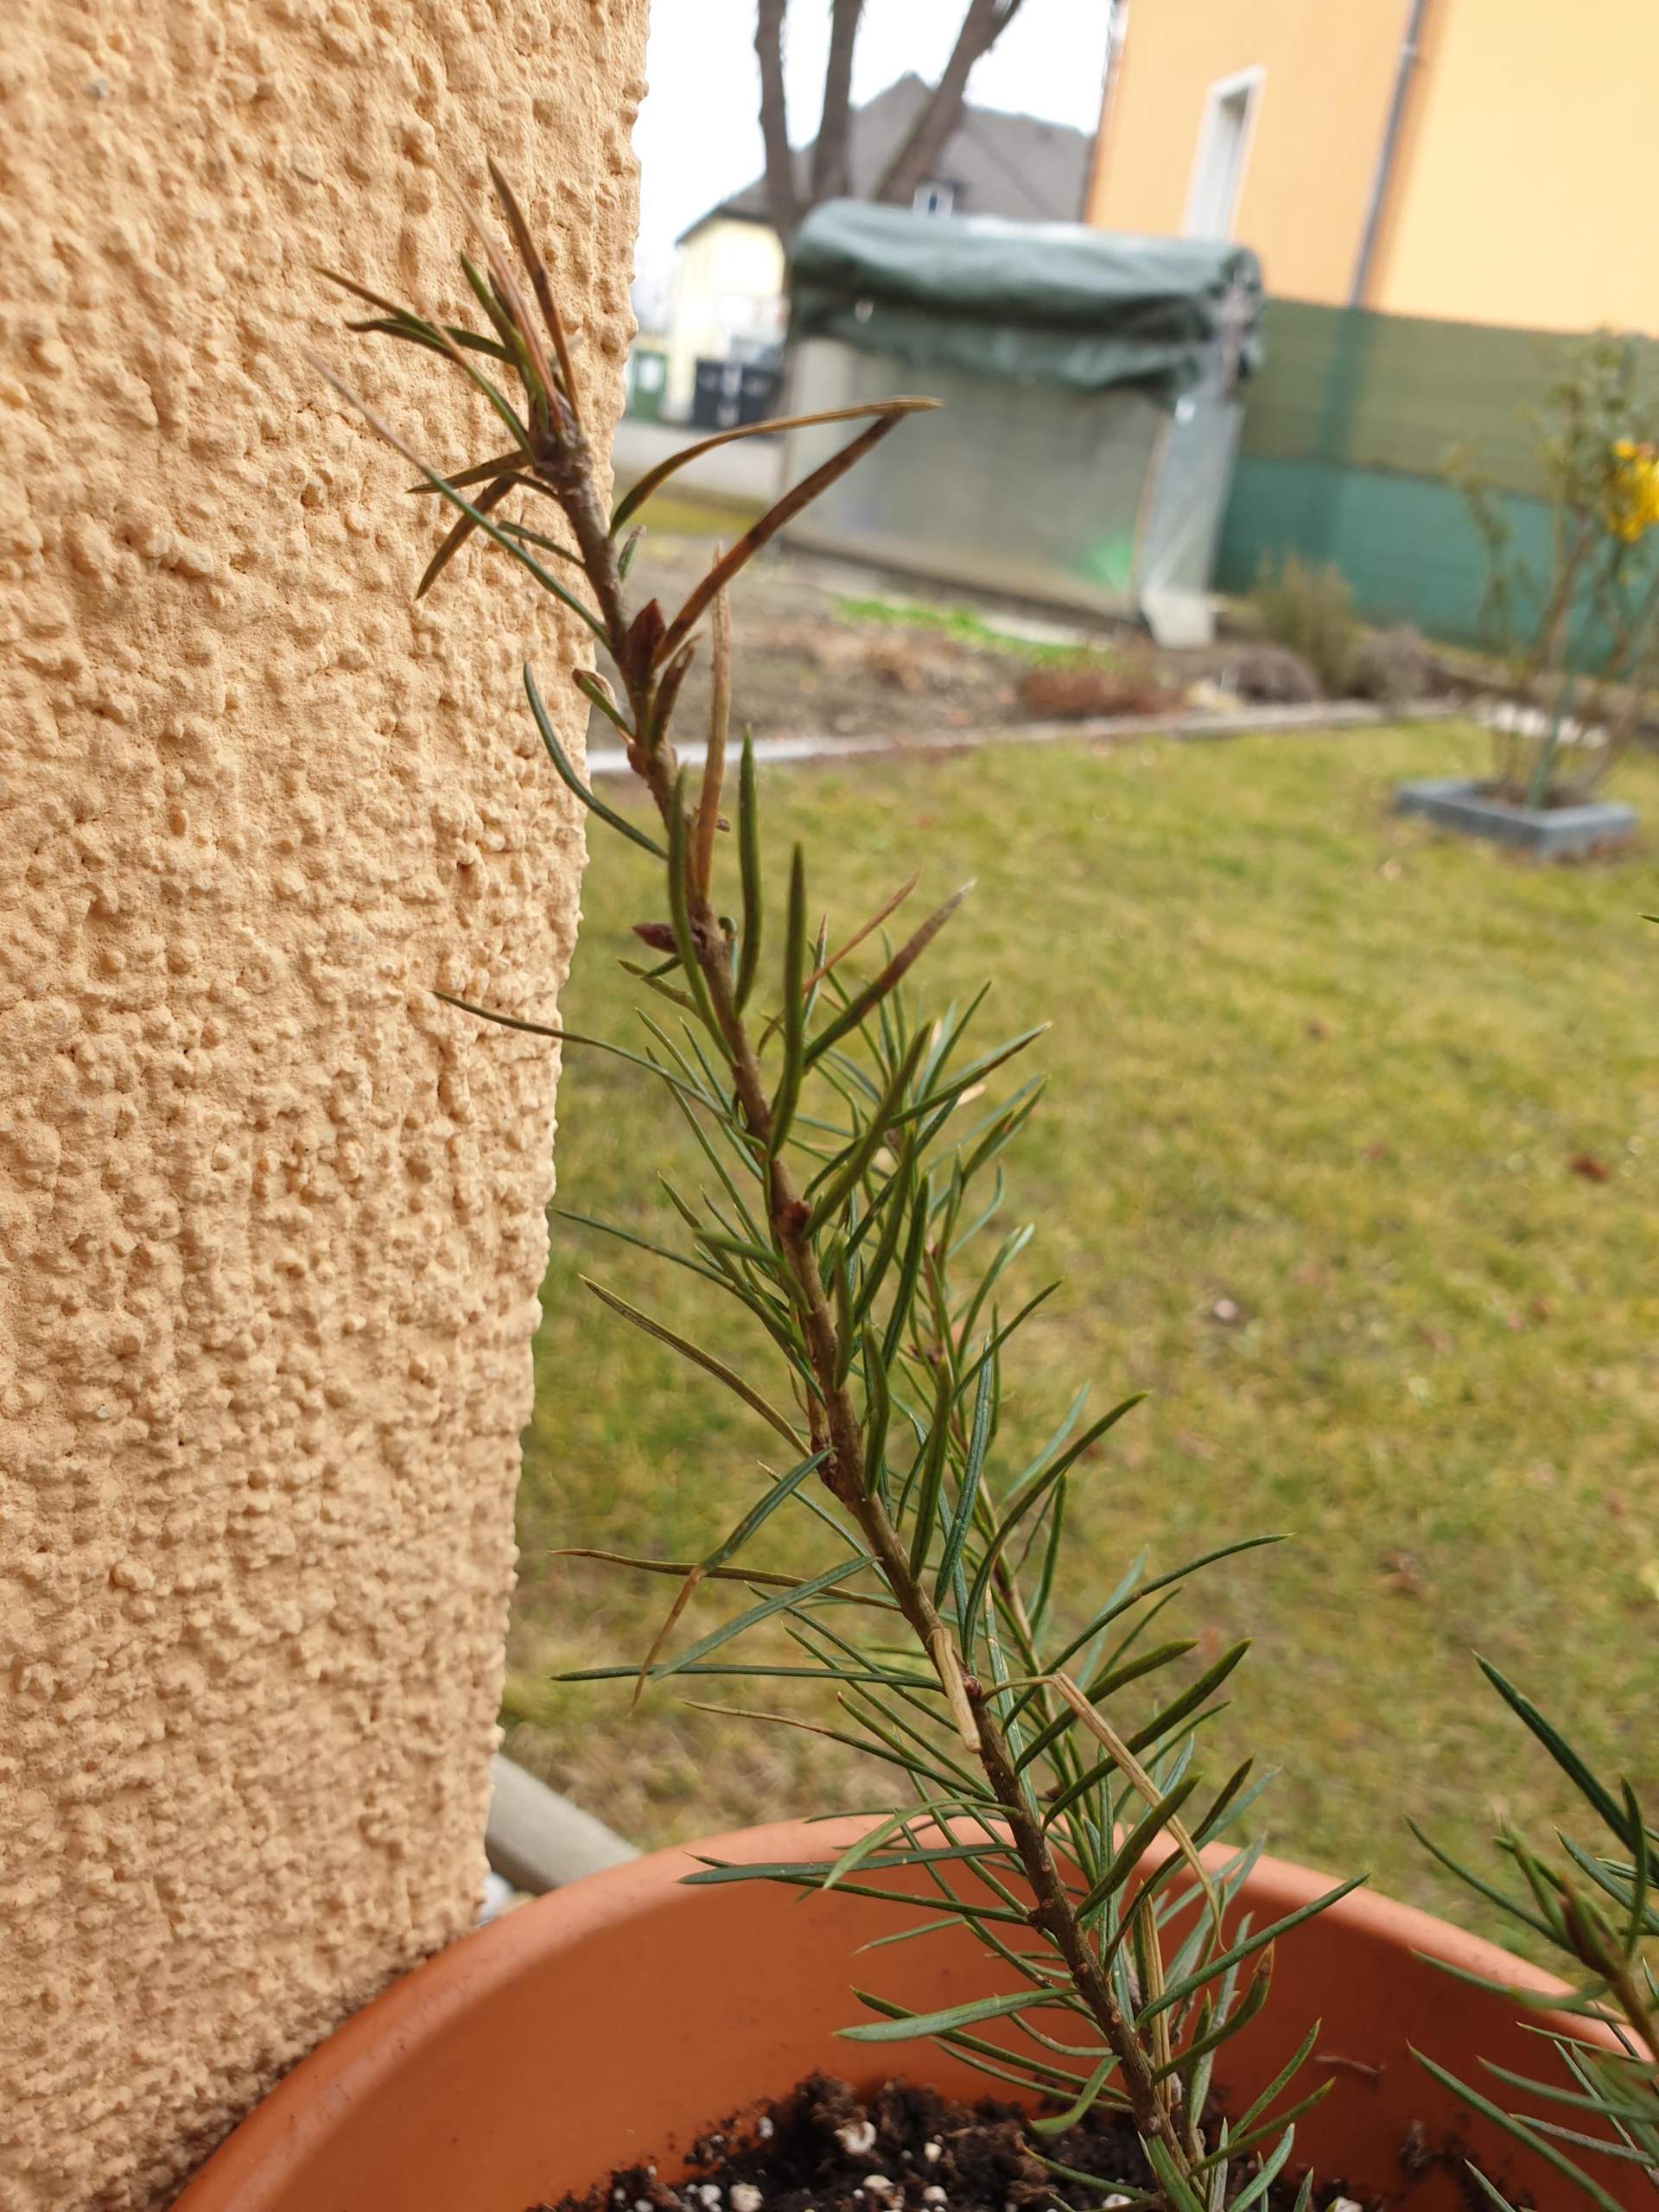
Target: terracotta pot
<point>613,2021</point>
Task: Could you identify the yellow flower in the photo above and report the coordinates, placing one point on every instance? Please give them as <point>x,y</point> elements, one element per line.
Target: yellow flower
<point>1631,502</point>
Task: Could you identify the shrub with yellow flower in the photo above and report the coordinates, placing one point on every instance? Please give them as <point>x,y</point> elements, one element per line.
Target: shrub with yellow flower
<point>1580,629</point>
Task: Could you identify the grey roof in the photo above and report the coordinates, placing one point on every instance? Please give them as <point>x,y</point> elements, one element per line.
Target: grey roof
<point>1010,165</point>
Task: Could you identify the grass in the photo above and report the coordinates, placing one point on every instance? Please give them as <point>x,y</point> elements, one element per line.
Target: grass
<point>967,628</point>
<point>672,513</point>
<point>1319,1079</point>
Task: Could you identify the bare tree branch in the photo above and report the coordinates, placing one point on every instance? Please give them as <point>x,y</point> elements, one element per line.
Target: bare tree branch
<point>783,199</point>
<point>918,157</point>
<point>829,154</point>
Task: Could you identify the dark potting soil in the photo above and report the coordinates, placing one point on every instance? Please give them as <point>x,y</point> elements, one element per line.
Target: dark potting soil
<point>907,2149</point>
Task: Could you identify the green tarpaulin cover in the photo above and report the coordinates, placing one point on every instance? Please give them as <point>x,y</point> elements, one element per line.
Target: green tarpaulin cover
<point>1041,302</point>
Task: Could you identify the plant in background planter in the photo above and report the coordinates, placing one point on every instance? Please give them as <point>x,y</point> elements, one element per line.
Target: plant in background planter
<point>1580,634</point>
<point>1072,1927</point>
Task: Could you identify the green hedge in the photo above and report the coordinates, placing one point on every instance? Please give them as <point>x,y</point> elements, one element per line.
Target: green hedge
<point>1345,429</point>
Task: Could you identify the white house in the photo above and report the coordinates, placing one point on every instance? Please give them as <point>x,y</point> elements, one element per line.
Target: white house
<point>727,302</point>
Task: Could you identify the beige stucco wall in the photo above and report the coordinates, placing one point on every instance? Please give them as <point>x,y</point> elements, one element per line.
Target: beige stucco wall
<point>271,1219</point>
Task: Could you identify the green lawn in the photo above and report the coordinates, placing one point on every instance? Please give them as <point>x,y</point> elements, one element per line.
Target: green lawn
<point>1309,1063</point>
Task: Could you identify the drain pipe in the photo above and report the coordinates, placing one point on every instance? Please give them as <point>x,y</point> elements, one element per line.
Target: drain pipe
<point>1117,24</point>
<point>1411,47</point>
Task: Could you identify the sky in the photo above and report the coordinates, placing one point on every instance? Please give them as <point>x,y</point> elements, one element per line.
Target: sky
<point>698,135</point>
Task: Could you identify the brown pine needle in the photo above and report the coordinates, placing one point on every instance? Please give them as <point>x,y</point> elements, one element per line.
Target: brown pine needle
<point>541,284</point>
<point>683,1598</point>
<point>783,511</point>
<point>882,913</point>
<point>1131,1767</point>
<point>948,1667</point>
<point>713,758</point>
<point>638,493</point>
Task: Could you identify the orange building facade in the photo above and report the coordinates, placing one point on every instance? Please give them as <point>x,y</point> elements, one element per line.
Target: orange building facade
<point>1472,160</point>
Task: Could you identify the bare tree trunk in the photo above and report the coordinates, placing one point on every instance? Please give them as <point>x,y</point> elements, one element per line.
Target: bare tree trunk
<point>783,201</point>
<point>916,159</point>
<point>829,154</point>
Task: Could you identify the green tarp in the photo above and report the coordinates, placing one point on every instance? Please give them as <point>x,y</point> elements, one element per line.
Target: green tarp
<point>1049,304</point>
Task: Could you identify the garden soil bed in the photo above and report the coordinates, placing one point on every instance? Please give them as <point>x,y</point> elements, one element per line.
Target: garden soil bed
<point>907,2149</point>
<point>802,665</point>
<point>827,649</point>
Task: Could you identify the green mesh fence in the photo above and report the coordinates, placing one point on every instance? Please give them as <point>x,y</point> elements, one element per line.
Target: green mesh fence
<point>1346,431</point>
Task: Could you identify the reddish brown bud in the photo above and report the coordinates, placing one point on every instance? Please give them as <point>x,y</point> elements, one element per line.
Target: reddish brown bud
<point>645,633</point>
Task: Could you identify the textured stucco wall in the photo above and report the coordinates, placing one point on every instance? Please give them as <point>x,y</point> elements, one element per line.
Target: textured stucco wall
<point>271,1219</point>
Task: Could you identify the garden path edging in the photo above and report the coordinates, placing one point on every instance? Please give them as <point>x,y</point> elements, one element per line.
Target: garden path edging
<point>538,1840</point>
<point>1332,715</point>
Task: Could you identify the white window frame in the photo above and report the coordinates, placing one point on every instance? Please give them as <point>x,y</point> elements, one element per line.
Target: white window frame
<point>935,195</point>
<point>1247,83</point>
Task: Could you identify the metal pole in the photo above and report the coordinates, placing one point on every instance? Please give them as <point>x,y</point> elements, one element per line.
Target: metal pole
<point>1117,21</point>
<point>1410,53</point>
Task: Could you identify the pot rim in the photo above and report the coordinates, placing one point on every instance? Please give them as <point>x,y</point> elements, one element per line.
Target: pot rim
<point>306,2107</point>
